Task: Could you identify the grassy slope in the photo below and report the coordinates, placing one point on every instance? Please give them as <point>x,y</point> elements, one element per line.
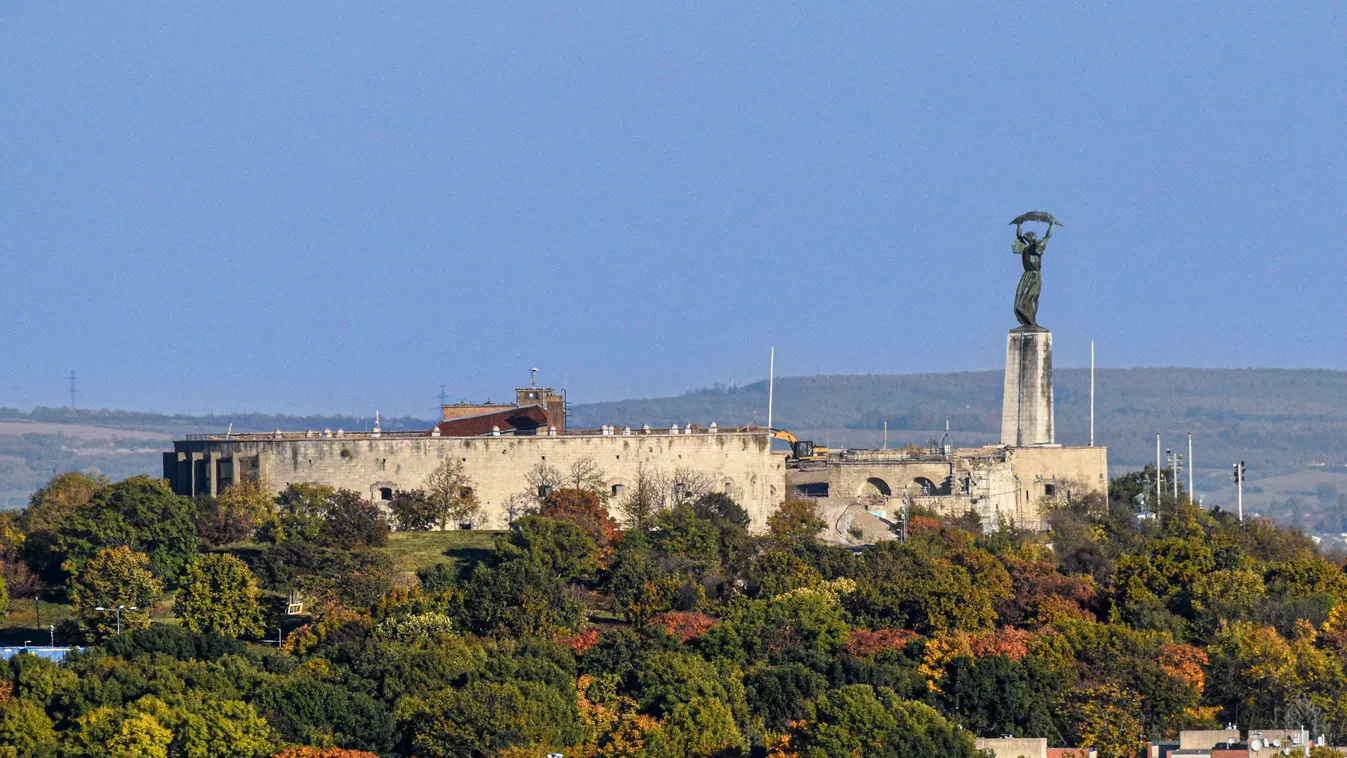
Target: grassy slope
<point>416,550</point>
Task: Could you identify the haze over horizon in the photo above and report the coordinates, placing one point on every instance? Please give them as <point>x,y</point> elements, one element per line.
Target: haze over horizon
<point>337,208</point>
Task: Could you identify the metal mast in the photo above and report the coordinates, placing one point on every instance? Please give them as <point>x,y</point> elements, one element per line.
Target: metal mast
<point>771,385</point>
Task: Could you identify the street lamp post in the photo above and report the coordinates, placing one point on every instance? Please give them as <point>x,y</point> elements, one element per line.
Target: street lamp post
<point>118,610</point>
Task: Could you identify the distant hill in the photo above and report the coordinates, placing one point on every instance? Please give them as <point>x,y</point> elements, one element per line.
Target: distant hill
<point>1290,425</point>
<point>38,443</point>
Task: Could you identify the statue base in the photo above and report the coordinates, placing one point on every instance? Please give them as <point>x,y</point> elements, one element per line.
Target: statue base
<point>1027,408</point>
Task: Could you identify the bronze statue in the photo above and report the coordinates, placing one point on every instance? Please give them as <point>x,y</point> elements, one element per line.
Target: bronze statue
<point>1030,249</point>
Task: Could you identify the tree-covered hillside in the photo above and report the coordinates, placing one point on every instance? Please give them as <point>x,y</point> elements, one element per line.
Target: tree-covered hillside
<point>676,633</point>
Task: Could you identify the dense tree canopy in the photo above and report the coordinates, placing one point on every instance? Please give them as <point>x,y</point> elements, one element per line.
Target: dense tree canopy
<point>220,595</point>
<point>684,635</point>
<point>139,513</point>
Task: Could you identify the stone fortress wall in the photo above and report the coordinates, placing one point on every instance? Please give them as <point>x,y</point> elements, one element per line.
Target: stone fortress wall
<point>739,463</point>
<point>999,484</point>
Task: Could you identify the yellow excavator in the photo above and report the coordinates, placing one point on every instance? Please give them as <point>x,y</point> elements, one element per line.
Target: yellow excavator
<point>801,450</point>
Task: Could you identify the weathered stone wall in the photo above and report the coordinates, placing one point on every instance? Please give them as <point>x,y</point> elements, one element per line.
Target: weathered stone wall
<point>999,484</point>
<point>739,463</point>
<point>888,478</point>
<point>1014,747</point>
<point>1027,415</point>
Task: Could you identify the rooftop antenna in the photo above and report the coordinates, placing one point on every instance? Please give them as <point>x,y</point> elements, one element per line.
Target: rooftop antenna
<point>771,385</point>
<point>73,391</point>
<point>533,377</point>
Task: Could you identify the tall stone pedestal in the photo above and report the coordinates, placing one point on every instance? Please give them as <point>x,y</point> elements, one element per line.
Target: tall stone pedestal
<point>1027,411</point>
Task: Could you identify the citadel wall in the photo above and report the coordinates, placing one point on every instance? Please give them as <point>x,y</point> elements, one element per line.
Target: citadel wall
<point>998,484</point>
<point>740,464</point>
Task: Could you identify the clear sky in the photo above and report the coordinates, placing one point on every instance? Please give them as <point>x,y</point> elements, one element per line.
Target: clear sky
<point>337,207</point>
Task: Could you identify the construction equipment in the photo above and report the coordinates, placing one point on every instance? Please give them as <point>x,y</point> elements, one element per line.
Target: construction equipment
<point>801,450</point>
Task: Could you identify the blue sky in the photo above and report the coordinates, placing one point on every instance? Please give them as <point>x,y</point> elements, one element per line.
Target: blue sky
<point>337,207</point>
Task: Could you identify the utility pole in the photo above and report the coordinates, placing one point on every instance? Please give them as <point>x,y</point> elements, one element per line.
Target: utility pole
<point>1175,461</point>
<point>1159,467</point>
<point>886,434</point>
<point>1239,487</point>
<point>907,512</point>
<point>1091,393</point>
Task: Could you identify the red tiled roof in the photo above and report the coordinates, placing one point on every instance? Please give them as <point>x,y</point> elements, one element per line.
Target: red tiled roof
<point>525,418</point>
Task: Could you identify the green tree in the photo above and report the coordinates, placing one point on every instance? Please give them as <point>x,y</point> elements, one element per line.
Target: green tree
<point>559,547</point>
<point>903,586</point>
<point>699,728</point>
<point>140,513</point>
<point>112,578</point>
<point>211,728</point>
<point>235,514</point>
<point>42,681</point>
<point>669,679</point>
<point>779,693</point>
<point>860,720</point>
<point>306,710</point>
<point>718,506</point>
<point>350,521</point>
<point>484,717</point>
<point>780,571</point>
<point>518,597</point>
<point>25,730</point>
<point>413,510</point>
<point>220,595</point>
<point>1108,719</point>
<point>796,521</point>
<point>450,491</point>
<point>302,508</point>
<point>997,695</point>
<point>117,733</point>
<point>48,509</point>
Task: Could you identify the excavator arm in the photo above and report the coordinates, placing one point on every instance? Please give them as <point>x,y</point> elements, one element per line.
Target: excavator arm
<point>801,450</point>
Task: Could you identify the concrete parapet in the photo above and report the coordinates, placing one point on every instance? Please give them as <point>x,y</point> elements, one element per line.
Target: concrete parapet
<point>1014,747</point>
